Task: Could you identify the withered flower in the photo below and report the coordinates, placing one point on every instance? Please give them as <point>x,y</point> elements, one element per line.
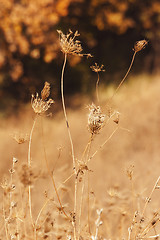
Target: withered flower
<point>139,45</point>
<point>20,138</point>
<point>41,105</point>
<point>96,119</point>
<point>96,68</point>
<point>69,45</point>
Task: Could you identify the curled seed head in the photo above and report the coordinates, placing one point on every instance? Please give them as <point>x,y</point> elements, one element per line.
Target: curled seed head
<point>45,91</point>
<point>139,45</point>
<point>96,119</point>
<point>41,105</point>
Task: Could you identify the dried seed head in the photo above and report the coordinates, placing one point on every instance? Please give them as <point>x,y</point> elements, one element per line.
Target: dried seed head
<point>113,192</point>
<point>96,68</point>
<point>95,119</point>
<point>130,172</point>
<point>4,183</point>
<point>69,45</point>
<point>139,45</point>
<point>45,91</point>
<point>41,105</point>
<point>15,160</point>
<point>20,138</point>
<point>27,175</point>
<point>116,119</point>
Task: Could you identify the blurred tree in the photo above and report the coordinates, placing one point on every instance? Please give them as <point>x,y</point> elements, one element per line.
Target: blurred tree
<point>141,18</point>
<point>26,28</point>
<point>29,39</point>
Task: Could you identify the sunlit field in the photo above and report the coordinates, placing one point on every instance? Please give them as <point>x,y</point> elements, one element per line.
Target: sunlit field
<point>117,192</point>
<point>79,120</point>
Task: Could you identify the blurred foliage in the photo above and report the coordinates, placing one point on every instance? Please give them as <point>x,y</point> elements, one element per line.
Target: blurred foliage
<point>29,46</point>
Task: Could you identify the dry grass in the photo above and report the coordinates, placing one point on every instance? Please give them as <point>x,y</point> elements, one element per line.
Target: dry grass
<point>101,183</point>
<point>110,188</point>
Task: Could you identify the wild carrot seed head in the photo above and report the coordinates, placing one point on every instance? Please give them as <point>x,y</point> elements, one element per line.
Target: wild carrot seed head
<point>41,105</point>
<point>96,68</point>
<point>69,45</point>
<point>96,119</point>
<point>20,138</point>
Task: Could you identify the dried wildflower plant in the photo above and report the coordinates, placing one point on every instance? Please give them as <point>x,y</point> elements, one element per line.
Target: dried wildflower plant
<point>41,105</point>
<point>96,119</point>
<point>96,68</point>
<point>69,45</point>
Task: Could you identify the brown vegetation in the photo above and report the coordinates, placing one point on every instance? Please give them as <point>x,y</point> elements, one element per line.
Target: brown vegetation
<point>133,150</point>
<point>83,183</point>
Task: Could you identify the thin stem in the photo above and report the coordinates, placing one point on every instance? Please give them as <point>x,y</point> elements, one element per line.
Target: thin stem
<point>5,221</point>
<point>64,110</point>
<point>51,175</point>
<point>36,222</point>
<point>97,85</point>
<point>89,147</point>
<point>150,237</point>
<point>17,225</point>
<point>71,142</point>
<point>86,152</point>
<point>148,228</point>
<point>29,166</point>
<point>80,208</point>
<point>23,202</point>
<point>30,141</point>
<point>101,146</point>
<point>87,157</point>
<point>130,66</point>
<point>89,228</point>
<point>133,195</point>
<point>66,180</point>
<point>149,198</point>
<point>75,206</point>
<point>145,206</point>
<point>129,233</point>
